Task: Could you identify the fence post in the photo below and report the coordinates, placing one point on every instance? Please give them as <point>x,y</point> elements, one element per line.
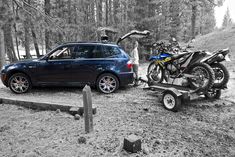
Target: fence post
<point>87,103</point>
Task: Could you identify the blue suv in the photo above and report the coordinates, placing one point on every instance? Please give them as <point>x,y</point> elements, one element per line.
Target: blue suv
<point>103,65</point>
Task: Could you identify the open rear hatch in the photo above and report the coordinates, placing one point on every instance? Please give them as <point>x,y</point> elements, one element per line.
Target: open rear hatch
<point>134,34</point>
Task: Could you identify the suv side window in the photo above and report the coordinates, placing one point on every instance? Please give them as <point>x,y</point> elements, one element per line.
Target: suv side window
<point>84,51</point>
<point>98,52</point>
<point>112,52</point>
<point>64,52</point>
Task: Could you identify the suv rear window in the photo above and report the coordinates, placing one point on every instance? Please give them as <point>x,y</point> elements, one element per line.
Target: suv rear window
<point>112,52</point>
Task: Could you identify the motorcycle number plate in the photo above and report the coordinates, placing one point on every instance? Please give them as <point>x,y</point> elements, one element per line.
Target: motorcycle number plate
<point>227,58</point>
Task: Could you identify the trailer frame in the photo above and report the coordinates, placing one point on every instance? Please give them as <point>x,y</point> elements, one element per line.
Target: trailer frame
<point>173,95</point>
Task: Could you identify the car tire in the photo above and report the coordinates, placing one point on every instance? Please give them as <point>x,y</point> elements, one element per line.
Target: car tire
<point>19,83</point>
<point>107,83</point>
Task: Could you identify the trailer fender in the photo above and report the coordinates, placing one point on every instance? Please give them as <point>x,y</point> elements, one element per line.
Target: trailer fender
<point>175,91</point>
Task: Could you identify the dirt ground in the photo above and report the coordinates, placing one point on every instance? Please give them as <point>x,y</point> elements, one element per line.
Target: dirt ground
<point>200,128</point>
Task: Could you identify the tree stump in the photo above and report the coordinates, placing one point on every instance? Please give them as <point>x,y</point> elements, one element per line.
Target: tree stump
<point>87,103</point>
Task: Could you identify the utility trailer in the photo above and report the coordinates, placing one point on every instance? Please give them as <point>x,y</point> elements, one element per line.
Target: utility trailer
<point>173,95</point>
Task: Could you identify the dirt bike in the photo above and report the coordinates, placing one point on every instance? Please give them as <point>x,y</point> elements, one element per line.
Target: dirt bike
<point>221,72</point>
<point>214,60</point>
<point>167,65</point>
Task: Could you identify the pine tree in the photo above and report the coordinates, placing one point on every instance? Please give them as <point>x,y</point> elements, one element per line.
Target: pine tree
<point>227,21</point>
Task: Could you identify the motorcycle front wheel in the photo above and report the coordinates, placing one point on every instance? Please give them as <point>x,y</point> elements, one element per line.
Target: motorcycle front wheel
<point>221,75</point>
<point>204,76</point>
<point>155,72</point>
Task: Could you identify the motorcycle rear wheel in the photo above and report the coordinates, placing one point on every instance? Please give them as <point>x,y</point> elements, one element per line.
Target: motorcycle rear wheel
<point>202,71</point>
<point>221,75</point>
<point>155,72</point>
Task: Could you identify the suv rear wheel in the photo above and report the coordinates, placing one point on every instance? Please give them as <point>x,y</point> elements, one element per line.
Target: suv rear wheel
<point>19,83</point>
<point>107,83</point>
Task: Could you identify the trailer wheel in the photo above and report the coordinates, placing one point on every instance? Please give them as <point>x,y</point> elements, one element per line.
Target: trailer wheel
<point>213,94</point>
<point>171,101</point>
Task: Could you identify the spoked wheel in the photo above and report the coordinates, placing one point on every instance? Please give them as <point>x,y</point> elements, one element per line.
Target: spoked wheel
<point>19,83</point>
<point>171,101</point>
<point>155,73</point>
<point>204,76</point>
<point>221,75</point>
<point>107,83</point>
<point>213,94</point>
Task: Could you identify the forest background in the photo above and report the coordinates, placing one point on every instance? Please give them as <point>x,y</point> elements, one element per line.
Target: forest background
<point>39,25</point>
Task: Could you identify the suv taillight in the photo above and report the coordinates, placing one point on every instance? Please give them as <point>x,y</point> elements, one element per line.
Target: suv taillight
<point>129,64</point>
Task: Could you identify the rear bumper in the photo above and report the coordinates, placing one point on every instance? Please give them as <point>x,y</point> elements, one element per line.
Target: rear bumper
<point>126,78</point>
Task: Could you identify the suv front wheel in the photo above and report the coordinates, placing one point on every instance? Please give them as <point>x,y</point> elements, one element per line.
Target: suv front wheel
<point>107,83</point>
<point>19,83</point>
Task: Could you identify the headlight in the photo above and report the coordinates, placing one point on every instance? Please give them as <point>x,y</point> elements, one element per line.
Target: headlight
<point>221,56</point>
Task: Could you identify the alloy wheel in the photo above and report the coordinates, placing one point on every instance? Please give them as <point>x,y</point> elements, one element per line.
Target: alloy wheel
<point>107,84</point>
<point>19,84</point>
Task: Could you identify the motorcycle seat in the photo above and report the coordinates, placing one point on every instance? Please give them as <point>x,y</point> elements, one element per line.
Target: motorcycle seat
<point>177,56</point>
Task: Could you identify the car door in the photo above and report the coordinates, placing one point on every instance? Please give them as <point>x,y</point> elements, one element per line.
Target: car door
<point>93,59</point>
<point>57,67</point>
<point>84,66</point>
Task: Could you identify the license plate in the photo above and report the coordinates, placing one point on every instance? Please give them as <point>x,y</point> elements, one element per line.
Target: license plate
<point>227,58</point>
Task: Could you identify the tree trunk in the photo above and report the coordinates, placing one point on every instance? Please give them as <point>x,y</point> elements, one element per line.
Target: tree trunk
<point>15,12</point>
<point>17,42</point>
<point>115,11</point>
<point>106,13</point>
<point>100,12</point>
<point>47,9</point>
<point>175,19</point>
<point>193,21</point>
<point>27,40</point>
<point>2,49</point>
<point>110,12</point>
<point>9,46</point>
<point>60,14</point>
<point>34,39</point>
<point>6,25</point>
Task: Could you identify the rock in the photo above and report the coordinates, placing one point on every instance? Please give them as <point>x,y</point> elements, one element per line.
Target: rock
<point>30,154</point>
<point>77,117</point>
<point>146,109</point>
<point>4,128</point>
<point>82,140</point>
<point>73,110</point>
<point>145,149</point>
<point>132,144</point>
<point>157,142</point>
<point>58,111</point>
